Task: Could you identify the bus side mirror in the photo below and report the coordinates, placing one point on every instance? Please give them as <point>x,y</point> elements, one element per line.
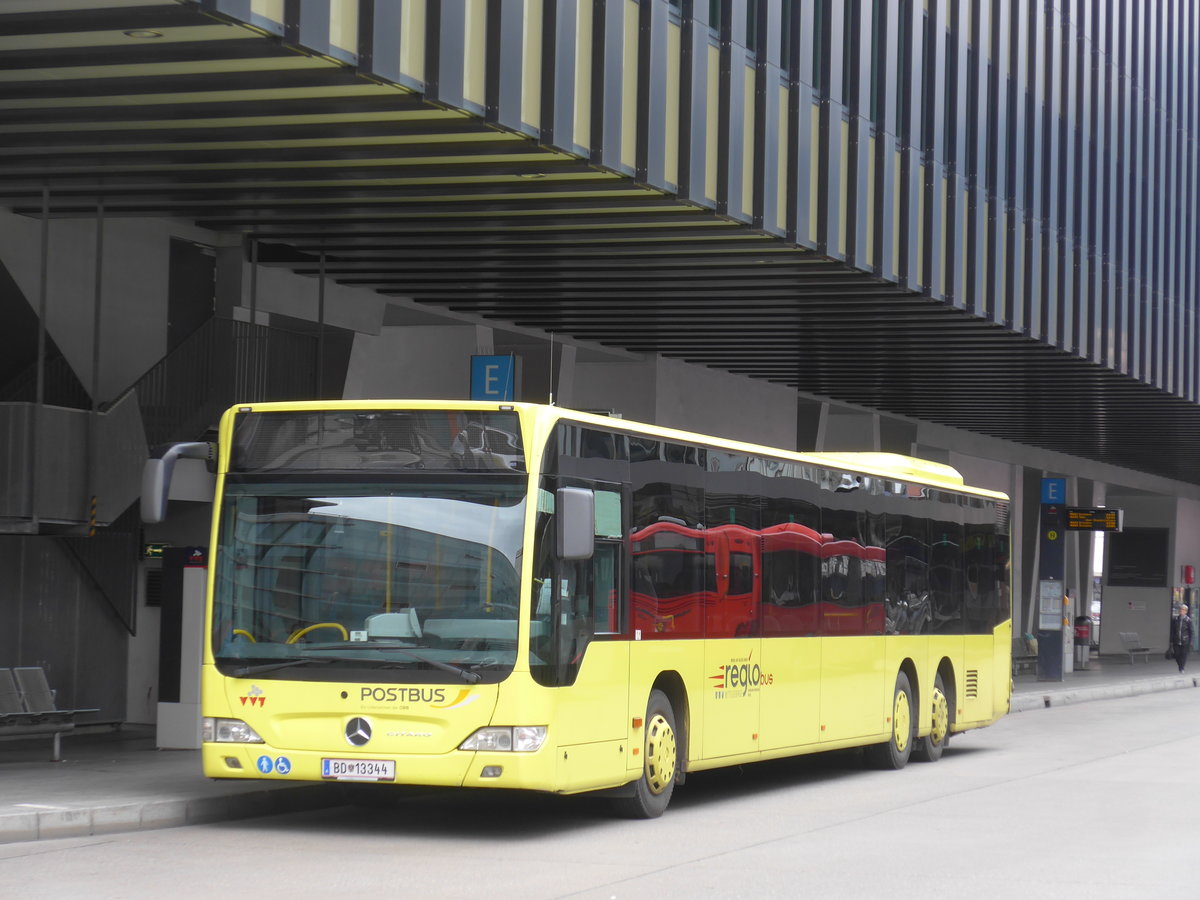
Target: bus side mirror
<point>575,510</point>
<point>156,477</point>
<point>155,487</point>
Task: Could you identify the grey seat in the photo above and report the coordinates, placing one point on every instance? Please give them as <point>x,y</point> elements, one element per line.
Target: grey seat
<point>35,689</point>
<point>1133,646</point>
<point>10,697</point>
<point>27,707</point>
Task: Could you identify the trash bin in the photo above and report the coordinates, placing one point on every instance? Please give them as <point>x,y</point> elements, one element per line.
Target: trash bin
<point>1083,641</point>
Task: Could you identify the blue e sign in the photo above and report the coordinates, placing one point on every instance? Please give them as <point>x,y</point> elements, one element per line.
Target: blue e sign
<point>1054,490</point>
<point>493,377</point>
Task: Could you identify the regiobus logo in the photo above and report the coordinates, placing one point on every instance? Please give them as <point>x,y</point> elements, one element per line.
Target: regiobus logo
<point>739,677</point>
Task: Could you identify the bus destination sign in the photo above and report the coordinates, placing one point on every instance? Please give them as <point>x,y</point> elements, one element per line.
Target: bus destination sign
<point>1081,518</point>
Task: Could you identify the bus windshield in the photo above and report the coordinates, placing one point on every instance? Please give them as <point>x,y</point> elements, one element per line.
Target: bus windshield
<point>397,580</point>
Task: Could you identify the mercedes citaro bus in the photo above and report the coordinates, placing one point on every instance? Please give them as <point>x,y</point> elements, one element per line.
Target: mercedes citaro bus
<point>523,596</point>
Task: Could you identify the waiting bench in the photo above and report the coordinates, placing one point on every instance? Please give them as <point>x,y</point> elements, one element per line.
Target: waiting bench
<point>1133,646</point>
<point>27,708</point>
<point>1023,658</point>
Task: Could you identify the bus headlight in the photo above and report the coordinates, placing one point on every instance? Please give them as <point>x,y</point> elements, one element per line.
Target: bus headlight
<point>520,738</point>
<point>227,731</point>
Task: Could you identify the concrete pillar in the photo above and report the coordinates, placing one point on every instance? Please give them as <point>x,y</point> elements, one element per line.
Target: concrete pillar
<point>628,387</point>
<point>846,429</point>
<point>694,398</point>
<point>416,362</point>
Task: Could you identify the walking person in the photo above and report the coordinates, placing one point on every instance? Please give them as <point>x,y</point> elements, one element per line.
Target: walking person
<point>1181,637</point>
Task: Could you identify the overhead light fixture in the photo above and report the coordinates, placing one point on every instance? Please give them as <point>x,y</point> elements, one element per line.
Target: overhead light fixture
<point>142,33</point>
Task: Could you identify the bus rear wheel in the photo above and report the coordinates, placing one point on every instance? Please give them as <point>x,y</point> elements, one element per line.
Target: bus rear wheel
<point>929,748</point>
<point>660,762</point>
<point>894,753</point>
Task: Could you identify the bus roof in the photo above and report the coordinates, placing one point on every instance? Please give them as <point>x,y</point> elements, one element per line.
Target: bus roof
<point>882,465</point>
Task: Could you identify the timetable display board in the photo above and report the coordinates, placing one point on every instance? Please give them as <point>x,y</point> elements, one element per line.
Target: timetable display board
<point>1082,518</point>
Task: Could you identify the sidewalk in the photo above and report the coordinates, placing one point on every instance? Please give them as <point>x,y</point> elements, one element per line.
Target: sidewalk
<point>1105,678</point>
<point>112,781</point>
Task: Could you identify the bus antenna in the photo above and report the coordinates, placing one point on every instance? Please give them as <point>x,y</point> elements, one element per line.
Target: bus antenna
<point>551,379</point>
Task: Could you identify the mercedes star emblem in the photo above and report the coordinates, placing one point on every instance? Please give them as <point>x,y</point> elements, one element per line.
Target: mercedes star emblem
<point>358,731</point>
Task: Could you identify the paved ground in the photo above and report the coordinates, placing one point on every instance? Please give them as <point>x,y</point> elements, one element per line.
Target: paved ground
<point>114,781</point>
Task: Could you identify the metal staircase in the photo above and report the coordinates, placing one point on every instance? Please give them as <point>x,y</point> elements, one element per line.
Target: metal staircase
<point>73,470</point>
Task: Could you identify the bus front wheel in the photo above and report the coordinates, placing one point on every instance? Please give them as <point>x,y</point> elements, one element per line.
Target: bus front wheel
<point>894,753</point>
<point>660,761</point>
<point>929,749</point>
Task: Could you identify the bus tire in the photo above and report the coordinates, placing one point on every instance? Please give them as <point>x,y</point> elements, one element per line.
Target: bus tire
<point>894,753</point>
<point>660,762</point>
<point>930,747</point>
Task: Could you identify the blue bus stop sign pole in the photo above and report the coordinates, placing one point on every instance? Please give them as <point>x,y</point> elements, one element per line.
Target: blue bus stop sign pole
<point>1051,572</point>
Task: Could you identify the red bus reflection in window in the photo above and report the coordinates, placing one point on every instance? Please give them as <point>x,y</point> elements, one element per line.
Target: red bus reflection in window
<point>791,569</point>
<point>672,580</point>
<point>731,581</point>
<point>732,610</point>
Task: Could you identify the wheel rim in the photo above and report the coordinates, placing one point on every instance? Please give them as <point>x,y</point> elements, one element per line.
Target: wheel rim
<point>901,722</point>
<point>941,717</point>
<point>660,754</point>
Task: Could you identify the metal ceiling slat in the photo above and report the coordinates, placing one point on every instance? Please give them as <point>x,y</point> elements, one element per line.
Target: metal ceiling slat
<point>120,18</point>
<point>932,255</point>
<point>731,110</point>
<point>247,132</point>
<point>651,127</point>
<point>558,73</point>
<point>510,233</point>
<point>467,146</point>
<point>289,72</point>
<point>599,265</point>
<point>858,93</point>
<point>173,201</point>
<point>768,128</point>
<point>136,53</point>
<point>909,118</point>
<point>693,102</point>
<point>556,282</point>
<point>505,49</point>
<point>232,108</point>
<point>497,166</point>
<point>444,72</point>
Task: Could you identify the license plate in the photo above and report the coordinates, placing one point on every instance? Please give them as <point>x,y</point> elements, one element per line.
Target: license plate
<point>359,769</point>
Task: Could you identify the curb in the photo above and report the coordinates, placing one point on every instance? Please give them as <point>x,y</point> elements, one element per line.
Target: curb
<point>63,822</point>
<point>1028,701</point>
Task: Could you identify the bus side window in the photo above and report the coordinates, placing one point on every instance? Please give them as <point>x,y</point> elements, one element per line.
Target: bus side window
<point>574,599</point>
<point>588,604</point>
<point>605,588</point>
<point>575,615</point>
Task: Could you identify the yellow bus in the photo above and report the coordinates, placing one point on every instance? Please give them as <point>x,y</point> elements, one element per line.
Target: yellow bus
<point>523,596</point>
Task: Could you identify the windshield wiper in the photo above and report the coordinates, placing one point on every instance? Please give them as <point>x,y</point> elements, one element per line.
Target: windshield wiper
<point>243,671</point>
<point>466,674</point>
